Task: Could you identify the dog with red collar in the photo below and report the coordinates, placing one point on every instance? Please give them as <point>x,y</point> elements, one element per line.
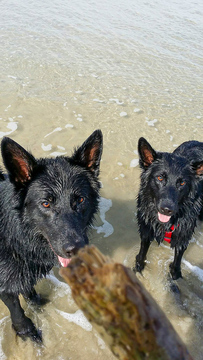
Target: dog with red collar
<point>170,198</point>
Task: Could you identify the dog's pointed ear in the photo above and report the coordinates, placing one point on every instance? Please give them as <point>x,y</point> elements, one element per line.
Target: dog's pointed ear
<point>89,154</point>
<point>18,162</point>
<point>146,152</point>
<point>198,167</point>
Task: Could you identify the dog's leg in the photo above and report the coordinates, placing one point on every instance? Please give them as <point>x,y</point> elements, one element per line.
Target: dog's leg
<point>141,257</point>
<point>23,326</point>
<point>175,266</point>
<point>35,298</point>
<point>147,235</point>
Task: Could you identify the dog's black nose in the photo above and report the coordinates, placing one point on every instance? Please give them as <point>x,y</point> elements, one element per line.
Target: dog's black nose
<point>70,250</point>
<point>166,211</point>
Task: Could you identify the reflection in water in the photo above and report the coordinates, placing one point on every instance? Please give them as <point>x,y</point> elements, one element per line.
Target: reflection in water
<point>132,69</point>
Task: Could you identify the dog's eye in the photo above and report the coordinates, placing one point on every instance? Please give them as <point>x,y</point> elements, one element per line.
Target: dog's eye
<point>80,200</point>
<point>182,183</point>
<point>76,202</point>
<point>46,204</point>
<point>160,178</point>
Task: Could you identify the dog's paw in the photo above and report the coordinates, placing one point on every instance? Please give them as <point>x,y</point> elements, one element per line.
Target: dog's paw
<point>175,273</point>
<point>27,329</point>
<point>39,300</point>
<point>139,265</point>
<point>35,298</point>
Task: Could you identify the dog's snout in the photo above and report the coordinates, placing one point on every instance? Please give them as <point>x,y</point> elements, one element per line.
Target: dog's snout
<point>167,206</point>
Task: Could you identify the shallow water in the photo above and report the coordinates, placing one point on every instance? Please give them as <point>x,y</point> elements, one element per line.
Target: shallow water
<point>131,69</point>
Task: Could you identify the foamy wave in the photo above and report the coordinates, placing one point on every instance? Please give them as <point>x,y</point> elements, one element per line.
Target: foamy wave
<point>117,101</point>
<point>58,153</point>
<point>78,318</point>
<point>46,147</point>
<point>134,162</point>
<point>62,287</point>
<point>195,269</point>
<point>106,228</point>
<point>100,341</point>
<point>151,122</point>
<point>57,129</point>
<point>12,126</point>
<point>2,323</point>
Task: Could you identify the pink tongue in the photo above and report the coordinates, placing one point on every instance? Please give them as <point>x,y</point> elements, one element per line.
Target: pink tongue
<point>64,262</point>
<point>163,218</point>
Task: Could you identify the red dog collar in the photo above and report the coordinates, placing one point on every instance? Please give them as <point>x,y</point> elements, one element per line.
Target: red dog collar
<point>168,234</point>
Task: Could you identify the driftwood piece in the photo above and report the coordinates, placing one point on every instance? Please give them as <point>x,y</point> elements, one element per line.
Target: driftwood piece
<point>112,297</point>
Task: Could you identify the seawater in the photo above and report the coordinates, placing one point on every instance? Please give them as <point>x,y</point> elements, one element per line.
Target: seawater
<point>130,68</point>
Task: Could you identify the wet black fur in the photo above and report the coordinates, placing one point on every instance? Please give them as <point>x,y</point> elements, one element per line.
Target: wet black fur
<point>171,183</point>
<point>32,235</point>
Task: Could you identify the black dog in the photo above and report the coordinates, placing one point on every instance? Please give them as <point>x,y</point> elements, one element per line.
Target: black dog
<point>170,198</point>
<point>46,207</point>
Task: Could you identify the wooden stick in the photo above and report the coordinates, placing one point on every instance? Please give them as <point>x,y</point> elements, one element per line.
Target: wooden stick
<point>112,297</point>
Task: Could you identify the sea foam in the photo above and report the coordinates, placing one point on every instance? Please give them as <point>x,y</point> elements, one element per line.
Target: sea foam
<point>195,269</point>
<point>78,318</point>
<point>106,228</point>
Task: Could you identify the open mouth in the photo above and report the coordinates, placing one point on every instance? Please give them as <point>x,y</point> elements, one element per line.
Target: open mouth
<point>163,218</point>
<point>64,262</point>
